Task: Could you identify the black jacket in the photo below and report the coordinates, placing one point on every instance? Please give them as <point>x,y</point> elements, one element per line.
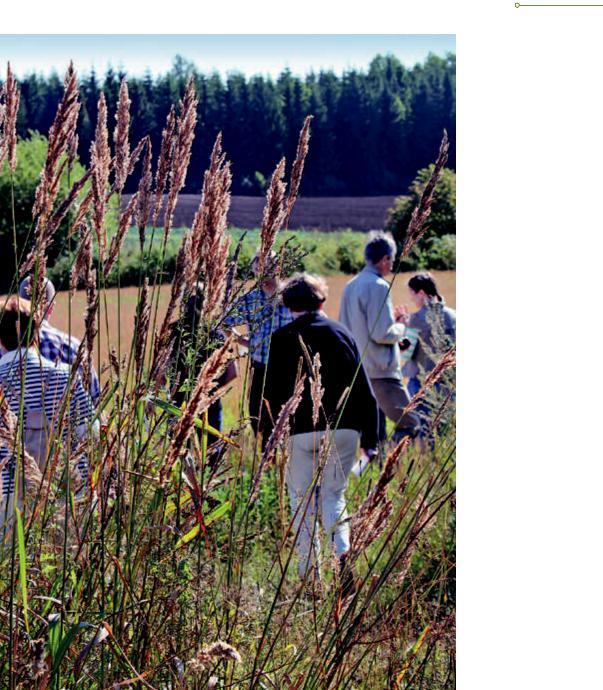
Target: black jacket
<point>340,363</point>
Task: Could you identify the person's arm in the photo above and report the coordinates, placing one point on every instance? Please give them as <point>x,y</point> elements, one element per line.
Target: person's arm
<point>383,328</point>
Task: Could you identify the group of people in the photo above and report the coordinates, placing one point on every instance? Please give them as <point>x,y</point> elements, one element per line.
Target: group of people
<point>361,378</point>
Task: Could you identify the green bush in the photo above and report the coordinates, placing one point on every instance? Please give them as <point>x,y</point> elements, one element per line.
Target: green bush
<point>438,253</point>
<point>442,219</point>
<point>31,156</point>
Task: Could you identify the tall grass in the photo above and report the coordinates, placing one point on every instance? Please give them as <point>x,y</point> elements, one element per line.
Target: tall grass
<point>176,569</point>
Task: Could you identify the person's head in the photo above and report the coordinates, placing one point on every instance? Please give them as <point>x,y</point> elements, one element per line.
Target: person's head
<point>269,281</point>
<point>380,252</point>
<point>422,288</point>
<point>304,292</point>
<point>17,328</point>
<point>47,297</point>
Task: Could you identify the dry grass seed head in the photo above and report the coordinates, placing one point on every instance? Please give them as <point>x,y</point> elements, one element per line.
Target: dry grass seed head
<point>121,137</point>
<point>141,326</point>
<point>279,434</point>
<point>60,135</point>
<point>201,398</point>
<point>274,215</point>
<point>211,248</point>
<point>214,652</point>
<point>8,119</point>
<point>83,261</point>
<point>143,205</point>
<point>446,362</point>
<point>370,520</point>
<point>417,228</point>
<point>185,133</point>
<point>100,159</point>
<point>298,167</point>
<point>166,156</point>
<point>316,389</point>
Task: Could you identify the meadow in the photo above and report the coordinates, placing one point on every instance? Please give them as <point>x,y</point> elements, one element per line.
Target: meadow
<point>173,565</point>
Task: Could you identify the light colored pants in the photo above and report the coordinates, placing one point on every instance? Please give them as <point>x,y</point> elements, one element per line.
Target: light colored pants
<point>330,491</point>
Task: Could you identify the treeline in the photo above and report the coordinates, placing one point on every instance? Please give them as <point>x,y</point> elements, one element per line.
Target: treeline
<point>372,129</point>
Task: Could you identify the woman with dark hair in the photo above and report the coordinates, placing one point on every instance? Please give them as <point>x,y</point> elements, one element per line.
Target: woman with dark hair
<point>346,415</point>
<point>433,325</point>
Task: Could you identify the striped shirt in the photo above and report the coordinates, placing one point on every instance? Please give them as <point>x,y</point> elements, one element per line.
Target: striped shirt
<point>262,315</point>
<point>47,386</point>
<point>58,346</point>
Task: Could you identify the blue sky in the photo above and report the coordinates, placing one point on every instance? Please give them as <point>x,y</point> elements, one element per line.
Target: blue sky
<point>250,54</point>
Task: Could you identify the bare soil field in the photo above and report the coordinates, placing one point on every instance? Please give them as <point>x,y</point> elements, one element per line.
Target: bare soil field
<point>324,213</point>
<point>118,307</point>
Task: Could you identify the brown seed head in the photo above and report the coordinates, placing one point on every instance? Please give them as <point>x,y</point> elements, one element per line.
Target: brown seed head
<point>100,158</point>
<point>417,228</point>
<point>121,137</point>
<point>298,167</point>
<point>185,133</point>
<point>201,398</point>
<point>275,212</point>
<point>9,109</point>
<point>166,156</point>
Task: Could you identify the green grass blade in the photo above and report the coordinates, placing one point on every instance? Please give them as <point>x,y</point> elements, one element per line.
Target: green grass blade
<point>22,567</point>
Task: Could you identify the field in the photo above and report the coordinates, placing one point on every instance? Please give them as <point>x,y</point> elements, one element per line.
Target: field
<point>121,306</point>
<point>324,213</point>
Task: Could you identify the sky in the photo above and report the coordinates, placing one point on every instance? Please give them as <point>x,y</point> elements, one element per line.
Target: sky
<point>265,54</point>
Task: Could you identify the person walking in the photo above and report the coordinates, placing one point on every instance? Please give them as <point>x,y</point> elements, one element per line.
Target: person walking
<point>434,326</point>
<point>51,397</point>
<point>263,312</point>
<point>55,345</point>
<point>346,415</point>
<point>367,311</point>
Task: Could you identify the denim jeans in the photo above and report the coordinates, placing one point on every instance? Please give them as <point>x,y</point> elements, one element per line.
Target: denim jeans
<point>301,470</point>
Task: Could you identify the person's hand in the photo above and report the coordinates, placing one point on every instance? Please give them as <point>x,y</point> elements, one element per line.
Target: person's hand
<point>401,314</point>
<point>240,338</point>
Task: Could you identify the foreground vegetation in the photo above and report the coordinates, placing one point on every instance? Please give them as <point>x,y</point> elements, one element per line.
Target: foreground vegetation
<point>175,567</point>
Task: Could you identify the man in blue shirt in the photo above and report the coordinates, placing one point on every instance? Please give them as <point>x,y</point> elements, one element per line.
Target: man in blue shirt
<point>263,312</point>
<point>55,345</point>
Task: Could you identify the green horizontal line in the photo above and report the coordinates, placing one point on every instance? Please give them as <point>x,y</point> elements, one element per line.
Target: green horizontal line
<point>521,4</point>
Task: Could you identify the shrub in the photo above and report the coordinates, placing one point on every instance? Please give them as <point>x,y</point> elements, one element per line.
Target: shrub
<point>442,220</point>
<point>439,253</point>
<point>31,156</point>
<point>350,257</point>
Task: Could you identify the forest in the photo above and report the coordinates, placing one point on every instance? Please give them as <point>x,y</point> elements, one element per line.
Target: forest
<point>372,129</point>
